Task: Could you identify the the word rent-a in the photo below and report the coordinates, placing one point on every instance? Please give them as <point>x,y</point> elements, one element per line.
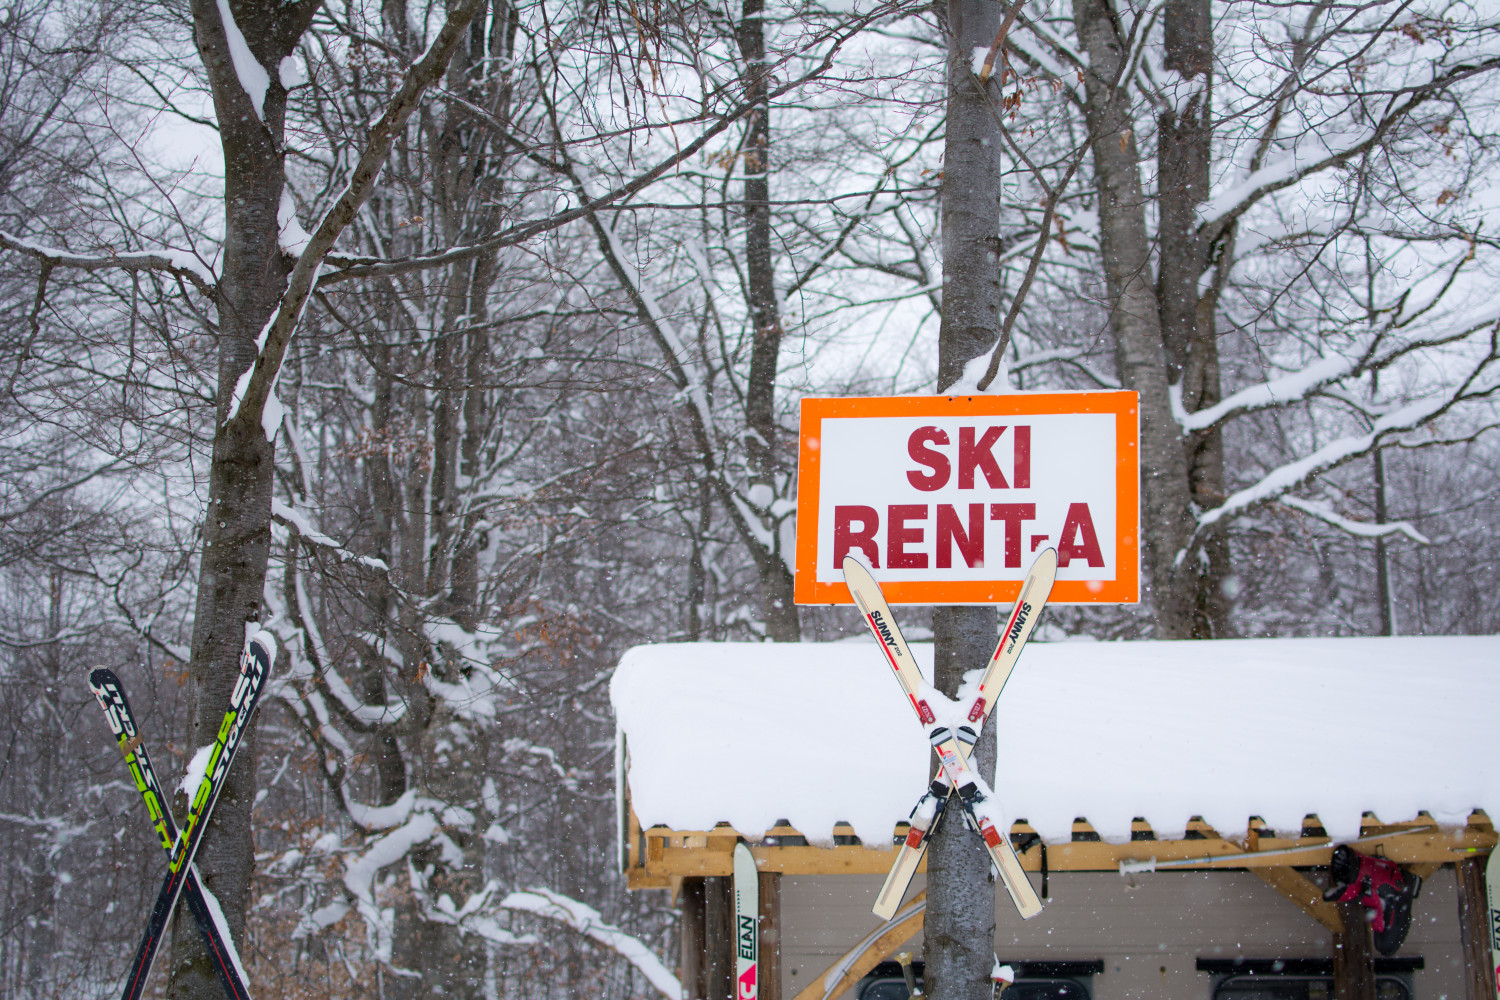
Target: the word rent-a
<point>949,498</point>
<point>982,511</point>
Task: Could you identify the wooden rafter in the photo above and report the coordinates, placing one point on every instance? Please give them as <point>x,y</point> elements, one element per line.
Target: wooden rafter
<point>1304,893</point>
<point>873,949</point>
<point>657,855</point>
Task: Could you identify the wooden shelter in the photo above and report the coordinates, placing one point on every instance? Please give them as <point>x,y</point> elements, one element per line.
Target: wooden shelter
<point>1228,914</point>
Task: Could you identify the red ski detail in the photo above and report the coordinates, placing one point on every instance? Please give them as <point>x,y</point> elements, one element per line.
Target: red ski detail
<point>914,840</point>
<point>977,712</point>
<point>870,619</point>
<point>923,712</point>
<point>747,983</point>
<point>1009,624</point>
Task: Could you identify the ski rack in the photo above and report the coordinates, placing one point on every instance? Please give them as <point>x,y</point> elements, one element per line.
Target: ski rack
<point>658,857</point>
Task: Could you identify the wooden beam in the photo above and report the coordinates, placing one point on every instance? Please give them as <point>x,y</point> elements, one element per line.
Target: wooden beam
<point>718,939</point>
<point>1353,955</point>
<point>1304,893</point>
<point>873,949</point>
<point>690,939</point>
<point>769,973</point>
<point>1474,929</point>
<point>679,854</point>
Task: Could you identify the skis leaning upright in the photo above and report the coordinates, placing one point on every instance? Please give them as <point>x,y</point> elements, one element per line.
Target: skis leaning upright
<point>929,809</point>
<point>216,937</point>
<point>746,924</point>
<point>255,667</point>
<point>951,746</point>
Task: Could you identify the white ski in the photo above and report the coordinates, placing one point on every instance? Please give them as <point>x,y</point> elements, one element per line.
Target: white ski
<point>952,751</point>
<point>746,924</point>
<point>1492,892</point>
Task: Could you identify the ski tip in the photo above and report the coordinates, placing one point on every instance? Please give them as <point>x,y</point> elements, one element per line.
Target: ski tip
<point>100,676</point>
<point>263,644</point>
<point>856,562</point>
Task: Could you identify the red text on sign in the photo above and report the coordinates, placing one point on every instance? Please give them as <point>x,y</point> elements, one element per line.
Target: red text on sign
<point>975,455</point>
<point>908,528</point>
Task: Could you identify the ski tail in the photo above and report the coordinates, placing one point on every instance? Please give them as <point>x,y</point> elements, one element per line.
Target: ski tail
<point>925,817</point>
<point>255,667</point>
<point>110,694</point>
<point>976,798</point>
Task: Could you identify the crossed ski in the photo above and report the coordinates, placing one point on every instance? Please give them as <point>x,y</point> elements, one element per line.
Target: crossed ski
<point>182,846</point>
<point>953,747</point>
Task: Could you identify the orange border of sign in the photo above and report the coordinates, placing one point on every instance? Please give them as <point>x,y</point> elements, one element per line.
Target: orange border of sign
<point>1125,590</point>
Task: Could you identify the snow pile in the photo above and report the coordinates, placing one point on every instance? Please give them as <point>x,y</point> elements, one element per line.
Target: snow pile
<point>815,734</point>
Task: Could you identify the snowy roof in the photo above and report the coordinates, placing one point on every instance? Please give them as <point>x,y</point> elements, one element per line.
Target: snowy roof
<point>818,733</point>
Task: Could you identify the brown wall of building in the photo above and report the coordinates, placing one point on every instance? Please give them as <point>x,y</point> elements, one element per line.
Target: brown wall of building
<point>1149,937</point>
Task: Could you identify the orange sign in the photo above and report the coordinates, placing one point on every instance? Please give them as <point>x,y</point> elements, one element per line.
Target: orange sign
<point>946,497</point>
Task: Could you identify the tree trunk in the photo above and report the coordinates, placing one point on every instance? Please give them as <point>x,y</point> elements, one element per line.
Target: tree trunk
<point>960,922</point>
<point>236,526</point>
<point>1474,929</point>
<point>960,928</point>
<point>40,946</point>
<point>718,938</point>
<point>1135,318</point>
<point>1184,153</point>
<point>767,472</point>
<point>1382,552</point>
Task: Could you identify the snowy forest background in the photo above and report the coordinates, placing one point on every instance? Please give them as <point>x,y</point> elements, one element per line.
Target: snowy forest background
<point>540,403</point>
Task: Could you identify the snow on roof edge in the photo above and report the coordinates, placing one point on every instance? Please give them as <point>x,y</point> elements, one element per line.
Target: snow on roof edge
<point>817,734</point>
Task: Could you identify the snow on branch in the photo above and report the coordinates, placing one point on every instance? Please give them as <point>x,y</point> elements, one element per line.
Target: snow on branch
<point>1075,356</point>
<point>65,635</point>
<point>1273,392</point>
<point>378,817</point>
<point>1320,376</point>
<point>360,872</point>
<point>255,392</point>
<point>62,830</point>
<point>247,69</point>
<point>1280,481</point>
<point>473,692</point>
<point>1323,512</point>
<point>177,263</point>
<point>587,921</point>
<point>298,522</point>
<point>297,628</point>
<point>1323,149</point>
